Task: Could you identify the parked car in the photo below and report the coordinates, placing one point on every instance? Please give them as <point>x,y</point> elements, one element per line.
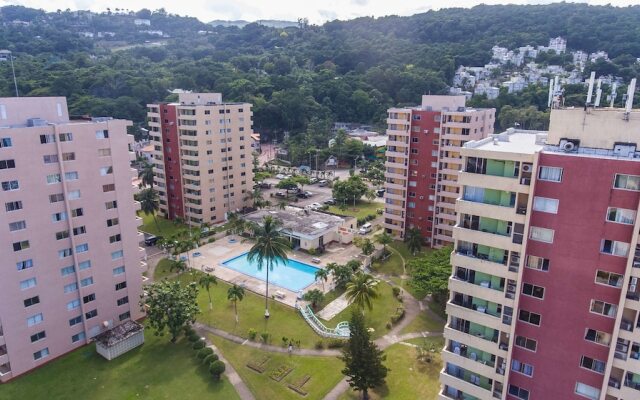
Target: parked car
<point>308,193</point>
<point>281,194</point>
<point>151,240</point>
<point>323,183</point>
<point>313,180</point>
<point>366,228</point>
<point>280,176</point>
<point>301,195</point>
<point>264,185</point>
<point>330,202</point>
<point>380,192</point>
<point>315,206</point>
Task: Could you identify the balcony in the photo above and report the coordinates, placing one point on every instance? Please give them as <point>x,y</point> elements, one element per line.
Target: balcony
<point>482,314</point>
<point>393,164</point>
<point>495,182</point>
<point>393,216</point>
<point>5,369</point>
<point>473,354</point>
<point>469,377</point>
<point>455,394</point>
<point>396,153</point>
<point>632,381</point>
<point>394,196</point>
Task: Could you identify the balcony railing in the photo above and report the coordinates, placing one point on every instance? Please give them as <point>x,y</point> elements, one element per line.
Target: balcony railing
<point>480,307</point>
<point>455,394</point>
<point>468,376</point>
<point>469,278</point>
<point>472,354</point>
<point>632,380</point>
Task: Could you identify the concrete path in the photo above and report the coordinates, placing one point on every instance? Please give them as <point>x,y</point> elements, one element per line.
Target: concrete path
<point>240,387</point>
<point>334,308</point>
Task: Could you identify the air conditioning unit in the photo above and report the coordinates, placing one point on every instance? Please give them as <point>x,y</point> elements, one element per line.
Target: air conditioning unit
<point>527,167</point>
<point>421,197</point>
<point>569,145</point>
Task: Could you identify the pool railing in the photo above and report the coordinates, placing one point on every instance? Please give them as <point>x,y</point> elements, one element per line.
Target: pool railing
<point>341,331</point>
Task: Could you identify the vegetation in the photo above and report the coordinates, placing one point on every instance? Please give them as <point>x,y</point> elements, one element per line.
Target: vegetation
<point>162,227</point>
<point>351,190</point>
<point>149,203</point>
<point>362,209</point>
<point>430,273</point>
<point>315,297</point>
<point>170,305</point>
<point>322,275</point>
<point>362,290</point>
<point>414,240</point>
<point>205,282</point>
<point>235,294</point>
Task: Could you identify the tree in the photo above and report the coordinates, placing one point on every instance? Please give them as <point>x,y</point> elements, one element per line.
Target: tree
<point>178,265</point>
<point>216,369</point>
<point>314,296</point>
<point>302,180</point>
<point>170,305</point>
<point>235,224</point>
<point>235,293</point>
<point>146,174</point>
<point>149,203</point>
<point>414,240</point>
<point>351,189</point>
<point>362,289</point>
<point>367,247</point>
<point>270,249</point>
<point>205,282</point>
<point>430,273</point>
<point>322,274</point>
<point>282,205</point>
<point>384,239</point>
<point>341,274</point>
<point>363,360</point>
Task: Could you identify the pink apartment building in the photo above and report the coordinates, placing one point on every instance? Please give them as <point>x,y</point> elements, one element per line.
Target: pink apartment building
<point>68,230</point>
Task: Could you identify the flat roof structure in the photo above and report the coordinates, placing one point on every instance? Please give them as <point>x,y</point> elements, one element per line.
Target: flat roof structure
<point>299,221</point>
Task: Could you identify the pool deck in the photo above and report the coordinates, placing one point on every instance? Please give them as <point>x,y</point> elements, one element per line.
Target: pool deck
<point>214,254</point>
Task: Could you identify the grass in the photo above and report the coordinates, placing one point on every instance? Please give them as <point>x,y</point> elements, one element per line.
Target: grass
<point>383,307</point>
<point>284,320</point>
<point>325,371</point>
<point>408,377</point>
<point>156,370</point>
<point>164,227</point>
<point>361,210</point>
<point>423,322</point>
<point>392,266</point>
<point>163,270</point>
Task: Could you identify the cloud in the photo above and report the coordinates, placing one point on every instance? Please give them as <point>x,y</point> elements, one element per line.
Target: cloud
<point>360,2</point>
<point>328,15</point>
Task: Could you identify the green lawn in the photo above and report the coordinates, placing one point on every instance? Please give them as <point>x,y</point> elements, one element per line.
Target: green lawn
<point>157,370</point>
<point>163,269</point>
<point>361,210</point>
<point>383,307</point>
<point>164,227</point>
<point>424,322</point>
<point>324,371</point>
<point>392,266</point>
<point>408,377</point>
<point>284,320</point>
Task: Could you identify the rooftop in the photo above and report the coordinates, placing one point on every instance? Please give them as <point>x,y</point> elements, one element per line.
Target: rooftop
<point>299,221</point>
<point>512,141</point>
<point>119,333</point>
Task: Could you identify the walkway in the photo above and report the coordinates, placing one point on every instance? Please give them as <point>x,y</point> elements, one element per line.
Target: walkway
<point>240,387</point>
<point>334,308</point>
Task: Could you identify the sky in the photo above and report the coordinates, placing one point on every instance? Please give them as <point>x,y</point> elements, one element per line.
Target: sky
<point>317,11</point>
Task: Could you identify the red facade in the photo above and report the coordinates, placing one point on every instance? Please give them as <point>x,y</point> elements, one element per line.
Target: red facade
<point>171,147</point>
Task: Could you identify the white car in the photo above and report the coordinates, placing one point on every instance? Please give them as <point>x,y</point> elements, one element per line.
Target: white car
<point>315,206</point>
<point>280,176</point>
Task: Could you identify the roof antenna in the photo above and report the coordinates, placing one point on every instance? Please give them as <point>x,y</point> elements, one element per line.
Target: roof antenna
<point>614,93</point>
<point>590,92</point>
<point>598,92</point>
<point>630,91</point>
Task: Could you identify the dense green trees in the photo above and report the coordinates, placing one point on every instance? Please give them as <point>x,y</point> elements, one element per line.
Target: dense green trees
<point>430,273</point>
<point>170,305</point>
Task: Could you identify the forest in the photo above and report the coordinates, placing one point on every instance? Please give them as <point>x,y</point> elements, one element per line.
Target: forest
<point>299,79</point>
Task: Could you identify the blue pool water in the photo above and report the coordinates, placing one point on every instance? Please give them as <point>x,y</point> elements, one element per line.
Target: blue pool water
<point>292,275</point>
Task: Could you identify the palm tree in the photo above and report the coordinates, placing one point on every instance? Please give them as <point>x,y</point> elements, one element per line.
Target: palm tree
<point>179,266</point>
<point>414,240</point>
<point>205,282</point>
<point>282,205</point>
<point>361,290</point>
<point>322,274</point>
<point>149,203</point>
<point>256,197</point>
<point>146,174</point>
<point>384,239</point>
<point>235,293</point>
<point>270,248</point>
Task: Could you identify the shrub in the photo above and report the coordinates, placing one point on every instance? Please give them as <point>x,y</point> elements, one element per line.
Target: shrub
<point>193,337</point>
<point>210,358</point>
<point>397,316</point>
<point>396,291</point>
<point>319,345</point>
<point>216,369</point>
<point>312,251</point>
<point>204,353</point>
<point>389,325</point>
<point>336,344</point>
<point>252,333</point>
<point>198,345</point>
<point>188,330</point>
<point>265,337</point>
<point>211,240</point>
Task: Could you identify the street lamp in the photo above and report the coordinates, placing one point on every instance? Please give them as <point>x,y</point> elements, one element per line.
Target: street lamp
<point>4,54</point>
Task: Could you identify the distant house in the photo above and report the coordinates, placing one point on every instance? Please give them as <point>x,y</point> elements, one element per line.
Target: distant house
<point>142,21</point>
<point>86,34</point>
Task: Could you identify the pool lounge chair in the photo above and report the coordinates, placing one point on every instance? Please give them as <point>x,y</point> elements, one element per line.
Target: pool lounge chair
<point>280,294</point>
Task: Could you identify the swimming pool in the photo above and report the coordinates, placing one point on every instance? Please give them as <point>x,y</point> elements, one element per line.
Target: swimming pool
<point>293,275</point>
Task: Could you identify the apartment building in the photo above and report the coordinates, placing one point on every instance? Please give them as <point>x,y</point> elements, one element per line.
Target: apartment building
<point>69,231</point>
<point>423,162</point>
<point>202,156</point>
<point>544,300</point>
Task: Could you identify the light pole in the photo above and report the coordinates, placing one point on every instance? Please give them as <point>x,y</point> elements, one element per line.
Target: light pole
<point>15,82</point>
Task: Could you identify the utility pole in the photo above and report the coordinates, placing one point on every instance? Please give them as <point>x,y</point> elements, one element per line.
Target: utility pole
<point>13,70</point>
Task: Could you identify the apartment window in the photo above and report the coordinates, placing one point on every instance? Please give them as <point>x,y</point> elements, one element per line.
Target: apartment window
<point>62,235</point>
<point>603,308</point>
<point>621,215</point>
<point>106,170</point>
<point>615,248</point>
<point>541,234</point>
<point>86,281</point>
<point>595,336</point>
<point>70,288</point>
<point>56,198</point>
<point>71,156</point>
<point>65,253</point>
<point>38,336</point>
<point>115,238</point>
<point>112,222</point>
<point>102,134</point>
<point>8,186</point>
<point>587,391</point>
<point>121,285</point>
<point>124,316</point>
<point>518,392</point>
<point>26,264</point>
<point>71,176</point>
<point>111,204</point>
<point>67,270</point>
<point>532,290</point>
<point>59,216</point>
<point>529,317</point>
<point>522,368</point>
<point>13,206</point>
<point>27,283</point>
<point>84,264</point>
<point>108,188</point>
<point>413,183</point>
<point>5,142</point>
<point>40,354</point>
<point>627,182</point>
<point>66,137</point>
<point>73,304</point>
<point>53,178</point>
<point>104,152</point>
<point>17,226</point>
<point>79,230</point>
<point>7,164</point>
<point>50,158</point>
<point>551,174</point>
<point>592,364</point>
<point>47,139</point>
<point>22,245</point>
<point>77,212</point>
<point>89,298</point>
<point>74,195</point>
<point>118,270</point>
<point>609,278</point>
<point>35,319</point>
<point>526,343</point>
<point>78,337</point>
<point>545,204</point>
<point>75,320</point>
<point>91,314</point>
<point>123,301</point>
<point>117,254</point>
<point>81,248</point>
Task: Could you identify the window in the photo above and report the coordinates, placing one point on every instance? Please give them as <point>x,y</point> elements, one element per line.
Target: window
<point>551,174</point>
<point>13,206</point>
<point>413,183</point>
<point>112,222</point>
<point>84,264</point>
<point>74,195</point>
<point>62,235</point>
<point>27,283</point>
<point>86,281</point>
<point>31,301</point>
<point>121,285</point>
<point>529,317</point>
<point>544,204</point>
<point>91,314</point>
<point>620,249</point>
<point>67,270</point>
<point>102,134</point>
<point>77,212</point>
<point>411,204</point>
<point>104,152</point>
<point>26,264</point>
<point>627,182</point>
<point>50,158</point>
<point>595,336</point>
<point>65,253</point>
<point>621,215</point>
<point>587,391</point>
<point>106,170</point>
<point>111,204</point>
<point>35,319</point>
<point>592,364</point>
<point>541,234</point>
<point>89,298</point>
<point>80,230</point>
<point>118,270</point>
<point>533,290</point>
<point>47,139</point>
<point>117,254</point>
<point>71,156</point>
<point>609,278</point>
<point>7,164</point>
<point>56,198</point>
<point>71,176</point>
<point>10,185</point>
<point>115,238</point>
<point>59,216</point>
<point>66,137</point>
<point>603,308</point>
<point>41,354</point>
<point>17,226</point>
<point>123,301</point>
<point>75,320</point>
<point>124,316</point>
<point>78,337</point>
<point>108,188</point>
<point>38,336</point>
<point>522,368</point>
<point>72,287</point>
<point>5,142</point>
<point>53,178</point>
<point>526,343</point>
<point>73,304</point>
<point>518,392</point>
<point>23,245</point>
<point>81,248</point>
